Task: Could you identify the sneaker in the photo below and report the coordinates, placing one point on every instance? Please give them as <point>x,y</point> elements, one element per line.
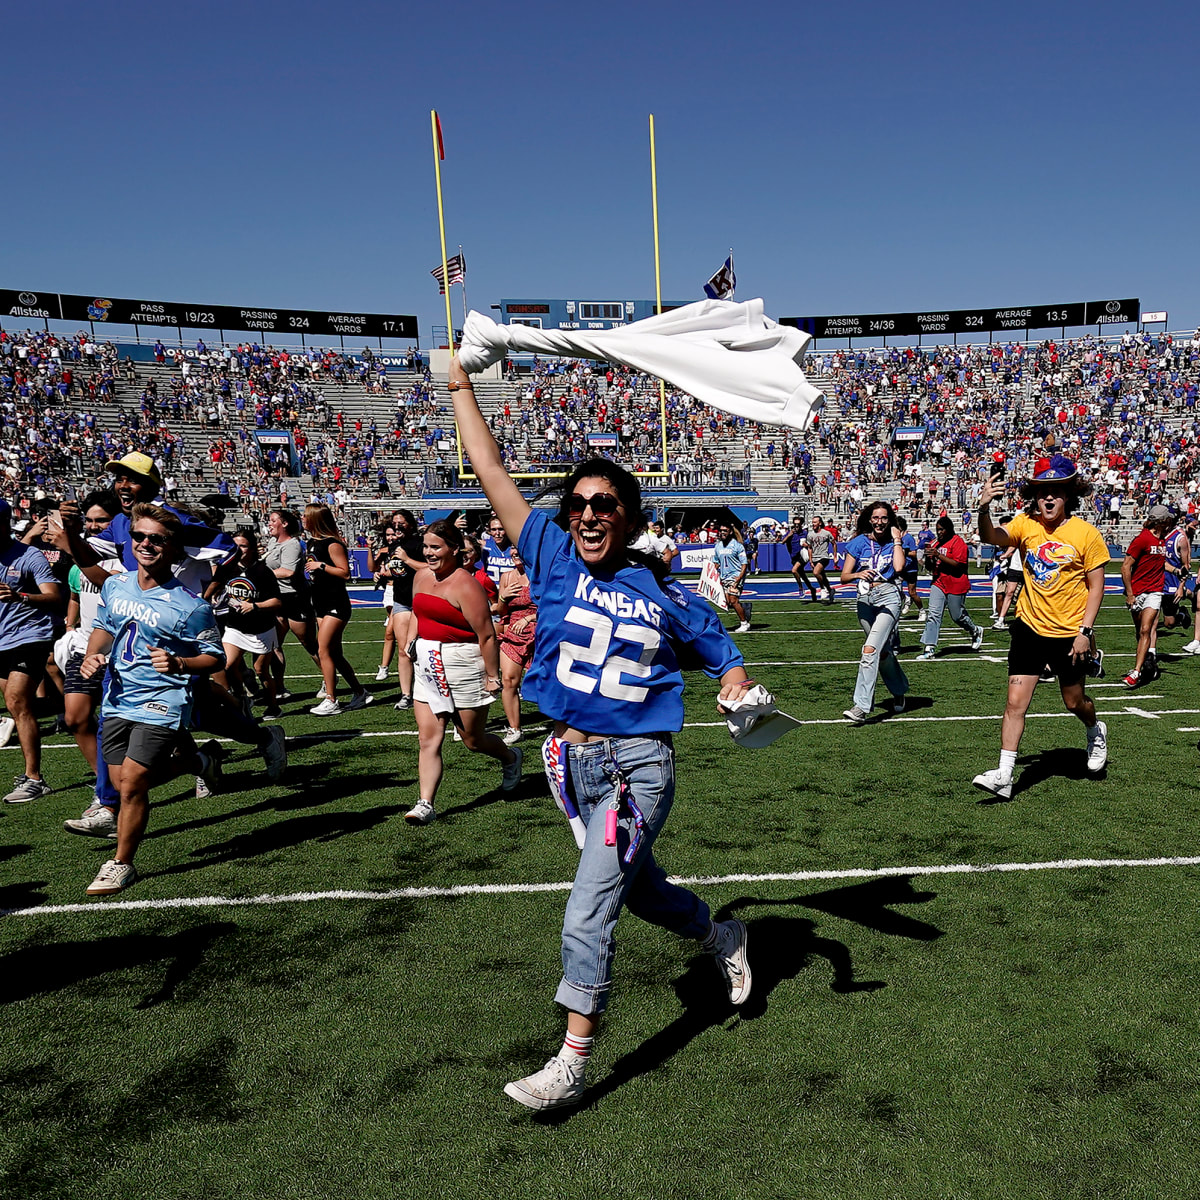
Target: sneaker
<point>112,878</point>
<point>381,675</point>
<point>1151,670</point>
<point>731,958</point>
<point>512,771</point>
<point>926,654</point>
<point>555,1085</point>
<point>98,820</point>
<point>421,813</point>
<point>360,700</point>
<point>26,789</point>
<point>273,713</point>
<point>1131,680</point>
<point>1048,674</point>
<point>7,728</point>
<point>403,704</point>
<point>744,627</point>
<point>275,753</point>
<point>209,779</point>
<point>321,693</point>
<point>1097,746</point>
<point>993,781</point>
<point>999,625</point>
<point>1095,665</point>
<point>855,715</point>
<point>1192,647</point>
<point>898,705</point>
<point>905,608</point>
<point>977,640</point>
<point>327,708</point>
<point>282,696</point>
<point>511,736</point>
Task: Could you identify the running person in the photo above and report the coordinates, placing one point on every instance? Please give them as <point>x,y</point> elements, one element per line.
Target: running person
<point>732,566</point>
<point>874,561</point>
<point>379,552</point>
<point>161,637</point>
<point>405,561</point>
<point>457,666</point>
<point>820,551</point>
<point>912,569</point>
<point>1064,559</point>
<point>516,628</point>
<point>284,558</point>
<point>1179,567</point>
<point>946,558</point>
<point>606,672</point>
<point>1143,570</point>
<point>328,569</point>
<point>797,548</point>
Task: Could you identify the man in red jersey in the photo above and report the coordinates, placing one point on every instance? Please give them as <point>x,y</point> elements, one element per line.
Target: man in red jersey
<point>1142,574</point>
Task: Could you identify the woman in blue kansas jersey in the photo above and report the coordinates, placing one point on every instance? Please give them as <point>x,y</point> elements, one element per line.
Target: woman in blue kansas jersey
<point>606,670</point>
<point>161,636</point>
<point>875,559</point>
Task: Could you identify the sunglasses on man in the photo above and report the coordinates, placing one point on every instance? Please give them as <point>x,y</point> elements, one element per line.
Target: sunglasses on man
<point>155,539</point>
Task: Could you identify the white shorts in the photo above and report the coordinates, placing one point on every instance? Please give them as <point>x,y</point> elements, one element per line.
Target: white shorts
<point>1146,600</point>
<point>255,643</point>
<point>450,675</point>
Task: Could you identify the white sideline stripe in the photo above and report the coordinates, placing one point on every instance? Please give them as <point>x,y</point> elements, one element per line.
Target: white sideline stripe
<point>294,739</point>
<point>513,889</point>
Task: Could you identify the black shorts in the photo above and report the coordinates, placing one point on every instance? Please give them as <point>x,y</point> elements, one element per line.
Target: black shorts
<point>297,606</point>
<point>28,659</point>
<point>1030,652</point>
<point>75,684</point>
<point>1014,576</point>
<point>332,606</point>
<point>149,745</point>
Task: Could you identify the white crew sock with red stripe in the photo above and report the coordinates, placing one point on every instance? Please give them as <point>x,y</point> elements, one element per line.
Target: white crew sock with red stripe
<point>576,1051</point>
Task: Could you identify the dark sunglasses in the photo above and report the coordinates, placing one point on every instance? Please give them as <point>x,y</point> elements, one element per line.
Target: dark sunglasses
<point>155,539</point>
<point>602,504</point>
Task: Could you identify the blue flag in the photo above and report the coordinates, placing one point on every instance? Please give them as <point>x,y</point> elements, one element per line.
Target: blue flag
<point>722,284</point>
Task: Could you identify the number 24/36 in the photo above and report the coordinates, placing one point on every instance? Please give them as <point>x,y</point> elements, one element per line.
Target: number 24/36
<point>595,654</point>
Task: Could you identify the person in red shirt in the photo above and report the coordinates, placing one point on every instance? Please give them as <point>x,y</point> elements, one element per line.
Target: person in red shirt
<point>1142,572</point>
<point>947,559</point>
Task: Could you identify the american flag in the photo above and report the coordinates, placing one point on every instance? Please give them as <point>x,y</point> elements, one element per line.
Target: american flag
<point>721,286</point>
<point>457,268</point>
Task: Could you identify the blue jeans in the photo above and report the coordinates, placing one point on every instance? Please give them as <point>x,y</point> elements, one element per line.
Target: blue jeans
<point>604,882</point>
<point>939,601</point>
<point>878,614</point>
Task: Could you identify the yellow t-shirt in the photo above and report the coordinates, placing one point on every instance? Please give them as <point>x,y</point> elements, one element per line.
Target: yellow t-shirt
<point>1055,561</point>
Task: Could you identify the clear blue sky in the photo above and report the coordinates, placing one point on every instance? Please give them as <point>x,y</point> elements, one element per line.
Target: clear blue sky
<point>857,157</point>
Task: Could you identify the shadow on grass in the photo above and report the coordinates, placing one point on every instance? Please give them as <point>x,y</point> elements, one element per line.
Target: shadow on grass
<point>14,851</point>
<point>779,949</point>
<point>16,896</point>
<point>1060,763</point>
<point>531,787</point>
<point>54,966</point>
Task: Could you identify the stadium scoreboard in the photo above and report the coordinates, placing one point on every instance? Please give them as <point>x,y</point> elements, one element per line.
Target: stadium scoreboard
<point>56,306</point>
<point>971,320</point>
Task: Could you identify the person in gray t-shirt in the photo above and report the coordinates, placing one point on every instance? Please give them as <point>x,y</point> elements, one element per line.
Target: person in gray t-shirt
<point>821,551</point>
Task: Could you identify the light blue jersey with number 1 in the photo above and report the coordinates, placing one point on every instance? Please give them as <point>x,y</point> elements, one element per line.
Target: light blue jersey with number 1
<point>168,616</point>
<point>608,648</point>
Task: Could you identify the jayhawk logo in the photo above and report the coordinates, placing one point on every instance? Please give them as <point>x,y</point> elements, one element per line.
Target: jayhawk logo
<point>1046,561</point>
<point>98,310</point>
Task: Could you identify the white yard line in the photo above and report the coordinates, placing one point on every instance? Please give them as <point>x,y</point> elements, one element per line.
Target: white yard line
<point>512,889</point>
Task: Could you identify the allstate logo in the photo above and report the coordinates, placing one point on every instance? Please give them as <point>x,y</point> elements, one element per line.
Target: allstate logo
<point>28,299</point>
<point>1113,306</point>
<point>98,310</point>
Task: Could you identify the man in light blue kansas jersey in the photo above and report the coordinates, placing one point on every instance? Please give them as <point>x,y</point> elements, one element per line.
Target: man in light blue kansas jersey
<point>154,636</point>
<point>732,565</point>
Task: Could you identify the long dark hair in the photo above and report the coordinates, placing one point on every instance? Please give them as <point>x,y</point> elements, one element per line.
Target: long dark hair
<point>863,524</point>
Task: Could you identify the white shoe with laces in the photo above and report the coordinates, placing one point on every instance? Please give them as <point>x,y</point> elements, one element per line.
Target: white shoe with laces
<point>7,728</point>
<point>421,813</point>
<point>327,708</point>
<point>1097,746</point>
<point>744,627</point>
<point>977,640</point>
<point>511,736</point>
<point>98,820</point>
<point>730,955</point>
<point>556,1084</point>
<point>381,675</point>
<point>993,781</point>
<point>1193,647</point>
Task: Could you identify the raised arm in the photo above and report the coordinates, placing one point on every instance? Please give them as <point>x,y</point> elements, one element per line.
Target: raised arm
<point>503,494</point>
<point>997,536</point>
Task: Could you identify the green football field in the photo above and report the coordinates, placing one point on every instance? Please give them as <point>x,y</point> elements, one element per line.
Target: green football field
<point>234,1027</point>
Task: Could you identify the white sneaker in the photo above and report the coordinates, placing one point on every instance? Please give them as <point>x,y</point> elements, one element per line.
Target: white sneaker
<point>98,820</point>
<point>993,781</point>
<point>999,625</point>
<point>744,627</point>
<point>421,813</point>
<point>977,640</point>
<point>113,877</point>
<point>7,728</point>
<point>381,675</point>
<point>26,789</point>
<point>321,693</point>
<point>926,654</point>
<point>327,708</point>
<point>360,700</point>
<point>905,608</point>
<point>731,958</point>
<point>511,736</point>
<point>556,1084</point>
<point>855,715</point>
<point>1097,746</point>
<point>512,771</point>
<point>1193,647</point>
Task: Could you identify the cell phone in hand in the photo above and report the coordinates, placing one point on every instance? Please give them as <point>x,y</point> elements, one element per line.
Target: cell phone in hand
<point>996,471</point>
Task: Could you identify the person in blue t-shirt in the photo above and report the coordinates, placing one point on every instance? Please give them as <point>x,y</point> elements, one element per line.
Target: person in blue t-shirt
<point>875,560</point>
<point>606,669</point>
<point>497,550</point>
<point>912,569</point>
<point>154,636</point>
<point>732,565</point>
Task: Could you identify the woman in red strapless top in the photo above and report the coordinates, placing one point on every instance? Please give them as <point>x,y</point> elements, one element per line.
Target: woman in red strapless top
<point>457,667</point>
